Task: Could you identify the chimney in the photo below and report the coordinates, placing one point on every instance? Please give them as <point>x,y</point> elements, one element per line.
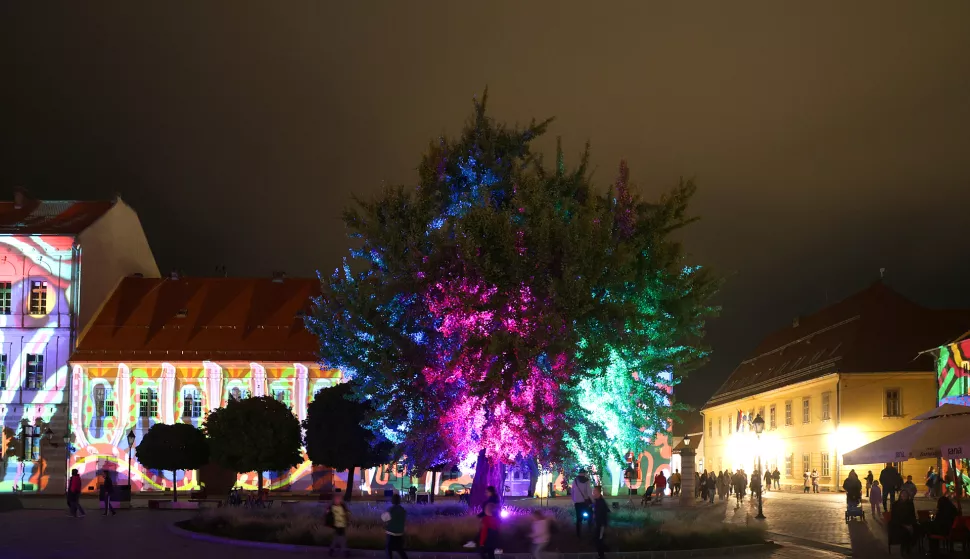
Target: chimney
<point>19,197</point>
<point>278,277</point>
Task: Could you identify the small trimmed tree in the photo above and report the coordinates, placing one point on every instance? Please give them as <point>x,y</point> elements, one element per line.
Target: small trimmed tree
<point>254,435</point>
<point>337,437</point>
<point>173,447</point>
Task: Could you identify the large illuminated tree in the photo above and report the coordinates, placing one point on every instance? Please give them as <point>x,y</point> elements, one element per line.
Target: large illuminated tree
<point>481,308</point>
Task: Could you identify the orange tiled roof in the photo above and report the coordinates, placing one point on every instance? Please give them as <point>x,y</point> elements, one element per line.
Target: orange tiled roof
<point>50,217</point>
<point>194,319</point>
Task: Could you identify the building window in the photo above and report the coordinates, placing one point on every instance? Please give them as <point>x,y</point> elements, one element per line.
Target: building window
<point>710,427</point>
<point>807,462</point>
<point>761,412</point>
<point>238,394</point>
<point>3,372</point>
<point>729,424</point>
<point>719,431</point>
<point>35,444</point>
<point>104,403</point>
<point>789,465</point>
<point>826,408</point>
<point>34,373</point>
<point>191,404</point>
<point>825,464</point>
<point>6,297</point>
<point>894,406</point>
<point>147,403</point>
<point>38,298</point>
<point>771,417</point>
<point>806,410</point>
<point>788,420</point>
<point>282,396</point>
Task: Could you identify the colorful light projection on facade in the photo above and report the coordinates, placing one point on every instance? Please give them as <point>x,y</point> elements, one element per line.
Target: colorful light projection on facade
<point>108,401</point>
<point>953,371</point>
<point>38,279</point>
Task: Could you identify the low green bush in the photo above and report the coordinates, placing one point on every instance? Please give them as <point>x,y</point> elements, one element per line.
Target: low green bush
<point>449,527</point>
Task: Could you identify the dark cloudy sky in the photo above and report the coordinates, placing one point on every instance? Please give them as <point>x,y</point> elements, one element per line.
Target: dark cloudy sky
<point>829,138</point>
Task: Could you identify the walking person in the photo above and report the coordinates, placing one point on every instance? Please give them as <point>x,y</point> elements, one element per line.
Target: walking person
<point>540,535</point>
<point>675,481</point>
<point>601,512</point>
<point>107,492</point>
<point>891,481</point>
<point>808,481</point>
<point>767,485</point>
<point>394,519</point>
<point>711,487</point>
<point>776,477</point>
<point>869,479</point>
<point>814,481</point>
<point>582,493</point>
<point>488,535</point>
<point>74,495</point>
<point>875,499</point>
<point>337,518</point>
<point>660,486</point>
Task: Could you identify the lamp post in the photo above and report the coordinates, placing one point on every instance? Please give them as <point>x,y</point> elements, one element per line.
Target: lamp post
<point>759,426</point>
<point>131,444</point>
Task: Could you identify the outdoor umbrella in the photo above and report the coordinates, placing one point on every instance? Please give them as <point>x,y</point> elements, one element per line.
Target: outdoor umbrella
<point>942,432</point>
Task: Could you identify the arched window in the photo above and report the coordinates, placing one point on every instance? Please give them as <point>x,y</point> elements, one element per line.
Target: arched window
<point>191,403</point>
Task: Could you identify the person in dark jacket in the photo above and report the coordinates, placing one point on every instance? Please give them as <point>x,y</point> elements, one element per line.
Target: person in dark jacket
<point>891,481</point>
<point>107,492</point>
<point>946,513</point>
<point>853,488</point>
<point>394,519</point>
<point>869,480</point>
<point>903,525</point>
<point>601,515</point>
<point>491,498</point>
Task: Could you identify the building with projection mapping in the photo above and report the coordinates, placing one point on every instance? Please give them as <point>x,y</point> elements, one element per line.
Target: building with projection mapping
<point>58,261</point>
<point>172,349</point>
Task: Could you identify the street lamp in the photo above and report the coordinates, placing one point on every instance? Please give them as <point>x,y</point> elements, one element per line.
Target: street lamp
<point>759,426</point>
<point>131,443</point>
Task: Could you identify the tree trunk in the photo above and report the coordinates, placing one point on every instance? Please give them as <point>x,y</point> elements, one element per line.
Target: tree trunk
<point>487,474</point>
<point>533,476</point>
<point>434,481</point>
<point>350,483</point>
<point>175,486</point>
<point>259,484</point>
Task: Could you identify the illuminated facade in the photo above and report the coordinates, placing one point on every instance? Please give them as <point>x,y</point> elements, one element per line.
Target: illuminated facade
<point>953,372</point>
<point>835,380</point>
<point>42,245</point>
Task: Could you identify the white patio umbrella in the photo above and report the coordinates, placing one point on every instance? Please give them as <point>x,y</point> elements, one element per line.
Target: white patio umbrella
<point>942,432</point>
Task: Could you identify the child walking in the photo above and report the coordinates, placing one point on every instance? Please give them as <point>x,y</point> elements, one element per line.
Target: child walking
<point>875,499</point>
<point>540,533</point>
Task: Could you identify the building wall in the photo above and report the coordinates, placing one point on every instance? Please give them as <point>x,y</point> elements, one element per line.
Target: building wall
<point>34,341</point>
<point>113,247</point>
<point>819,442</point>
<point>100,428</point>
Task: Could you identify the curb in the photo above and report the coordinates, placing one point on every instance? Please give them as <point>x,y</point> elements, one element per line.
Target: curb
<point>814,544</point>
<point>380,553</point>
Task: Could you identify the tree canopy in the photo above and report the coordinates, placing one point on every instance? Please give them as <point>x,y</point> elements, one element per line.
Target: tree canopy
<point>507,307</point>
<point>173,447</point>
<point>336,434</point>
<point>254,435</point>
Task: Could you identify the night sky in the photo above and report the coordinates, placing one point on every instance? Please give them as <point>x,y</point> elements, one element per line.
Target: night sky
<point>829,139</point>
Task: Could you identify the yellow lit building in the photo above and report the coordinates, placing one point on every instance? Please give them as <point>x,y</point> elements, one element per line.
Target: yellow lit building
<point>833,381</point>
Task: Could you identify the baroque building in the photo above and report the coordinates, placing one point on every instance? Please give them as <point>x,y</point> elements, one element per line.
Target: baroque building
<point>831,382</point>
<point>58,261</point>
<point>172,349</point>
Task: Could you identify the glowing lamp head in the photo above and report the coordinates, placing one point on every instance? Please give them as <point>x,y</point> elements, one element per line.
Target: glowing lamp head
<point>504,513</point>
<point>687,441</point>
<point>585,515</point>
<point>758,424</point>
<point>131,438</point>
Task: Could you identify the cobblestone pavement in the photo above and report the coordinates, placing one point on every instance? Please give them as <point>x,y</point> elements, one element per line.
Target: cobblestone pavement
<point>806,526</point>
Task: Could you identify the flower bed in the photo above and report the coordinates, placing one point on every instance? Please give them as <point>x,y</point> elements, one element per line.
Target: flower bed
<point>449,527</point>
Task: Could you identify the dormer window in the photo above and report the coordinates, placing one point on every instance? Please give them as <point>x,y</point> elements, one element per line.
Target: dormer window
<point>182,313</point>
<point>37,304</point>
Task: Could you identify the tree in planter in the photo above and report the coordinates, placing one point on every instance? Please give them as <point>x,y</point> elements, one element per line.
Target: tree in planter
<point>483,307</point>
<point>337,437</point>
<point>254,435</point>
<point>173,447</point>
